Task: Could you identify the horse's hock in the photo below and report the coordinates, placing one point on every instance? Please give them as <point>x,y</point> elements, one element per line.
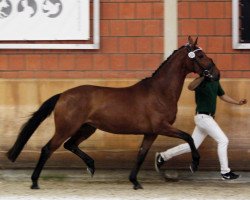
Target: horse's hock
<point>23,97</point>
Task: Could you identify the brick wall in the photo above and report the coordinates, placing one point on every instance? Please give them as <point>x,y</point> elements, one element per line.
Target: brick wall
<point>132,43</point>
<point>212,22</point>
<point>131,47</point>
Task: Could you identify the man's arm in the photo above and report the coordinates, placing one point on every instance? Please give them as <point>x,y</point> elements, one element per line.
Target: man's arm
<point>195,83</point>
<point>228,99</point>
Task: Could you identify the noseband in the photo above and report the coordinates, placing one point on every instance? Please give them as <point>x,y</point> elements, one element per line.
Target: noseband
<point>205,70</point>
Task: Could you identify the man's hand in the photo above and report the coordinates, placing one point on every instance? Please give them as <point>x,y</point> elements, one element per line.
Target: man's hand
<point>228,99</point>
<point>242,101</point>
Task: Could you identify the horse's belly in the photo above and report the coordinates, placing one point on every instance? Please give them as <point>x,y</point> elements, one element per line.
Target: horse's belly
<point>122,125</point>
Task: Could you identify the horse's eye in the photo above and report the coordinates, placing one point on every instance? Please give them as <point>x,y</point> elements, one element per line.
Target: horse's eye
<point>201,56</point>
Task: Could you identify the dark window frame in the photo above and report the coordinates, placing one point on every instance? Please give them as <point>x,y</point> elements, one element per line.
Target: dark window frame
<point>241,39</point>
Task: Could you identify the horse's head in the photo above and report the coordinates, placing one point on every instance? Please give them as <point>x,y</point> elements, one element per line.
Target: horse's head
<point>198,62</point>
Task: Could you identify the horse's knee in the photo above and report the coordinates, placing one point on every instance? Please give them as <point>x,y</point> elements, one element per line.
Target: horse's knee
<point>69,146</point>
<point>186,137</point>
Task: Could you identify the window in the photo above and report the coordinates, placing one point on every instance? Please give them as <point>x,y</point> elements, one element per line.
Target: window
<point>241,24</point>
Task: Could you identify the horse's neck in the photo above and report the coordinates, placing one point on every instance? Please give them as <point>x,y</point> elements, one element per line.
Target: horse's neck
<point>170,79</point>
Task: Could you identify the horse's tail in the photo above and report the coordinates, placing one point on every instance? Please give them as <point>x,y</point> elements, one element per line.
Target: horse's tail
<point>31,125</point>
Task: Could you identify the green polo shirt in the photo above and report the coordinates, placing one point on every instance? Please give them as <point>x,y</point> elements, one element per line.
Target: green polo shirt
<point>206,94</point>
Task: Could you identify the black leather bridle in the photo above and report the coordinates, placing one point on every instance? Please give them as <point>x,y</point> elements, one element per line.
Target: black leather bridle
<point>205,70</point>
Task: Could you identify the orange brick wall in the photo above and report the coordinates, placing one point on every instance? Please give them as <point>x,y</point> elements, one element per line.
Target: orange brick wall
<point>212,22</point>
<point>132,43</point>
<point>131,47</point>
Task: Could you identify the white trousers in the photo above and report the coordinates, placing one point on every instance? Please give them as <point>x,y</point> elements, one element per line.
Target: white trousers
<point>205,125</point>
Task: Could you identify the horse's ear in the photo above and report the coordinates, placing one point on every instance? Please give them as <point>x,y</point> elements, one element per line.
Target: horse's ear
<point>190,40</point>
<point>196,41</point>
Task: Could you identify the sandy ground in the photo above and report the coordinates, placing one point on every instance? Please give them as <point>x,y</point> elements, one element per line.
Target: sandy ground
<point>76,184</point>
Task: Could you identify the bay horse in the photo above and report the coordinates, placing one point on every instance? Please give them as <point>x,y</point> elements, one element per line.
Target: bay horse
<point>148,107</point>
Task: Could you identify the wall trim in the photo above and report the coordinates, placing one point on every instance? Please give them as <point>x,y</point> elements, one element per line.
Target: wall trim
<point>170,26</point>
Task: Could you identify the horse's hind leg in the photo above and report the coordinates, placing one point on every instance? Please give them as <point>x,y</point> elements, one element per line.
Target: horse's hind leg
<point>173,132</point>
<point>72,145</point>
<point>46,152</point>
<point>145,146</point>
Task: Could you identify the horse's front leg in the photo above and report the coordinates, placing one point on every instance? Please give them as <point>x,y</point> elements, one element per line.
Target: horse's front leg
<point>173,132</point>
<point>145,146</point>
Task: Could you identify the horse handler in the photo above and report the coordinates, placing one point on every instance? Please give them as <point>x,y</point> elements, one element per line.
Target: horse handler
<point>206,92</point>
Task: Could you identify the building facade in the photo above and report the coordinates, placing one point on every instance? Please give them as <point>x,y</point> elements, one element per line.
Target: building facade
<point>135,37</point>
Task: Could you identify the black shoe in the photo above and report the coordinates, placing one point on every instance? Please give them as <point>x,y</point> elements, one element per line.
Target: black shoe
<point>230,176</point>
<point>158,162</point>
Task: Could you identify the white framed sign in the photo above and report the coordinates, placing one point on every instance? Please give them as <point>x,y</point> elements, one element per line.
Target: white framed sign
<point>48,20</point>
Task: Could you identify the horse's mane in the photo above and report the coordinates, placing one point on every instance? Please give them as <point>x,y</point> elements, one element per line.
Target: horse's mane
<point>166,61</point>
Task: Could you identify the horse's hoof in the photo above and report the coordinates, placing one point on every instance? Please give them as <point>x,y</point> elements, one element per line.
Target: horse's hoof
<point>91,171</point>
<point>34,186</point>
<point>138,186</point>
